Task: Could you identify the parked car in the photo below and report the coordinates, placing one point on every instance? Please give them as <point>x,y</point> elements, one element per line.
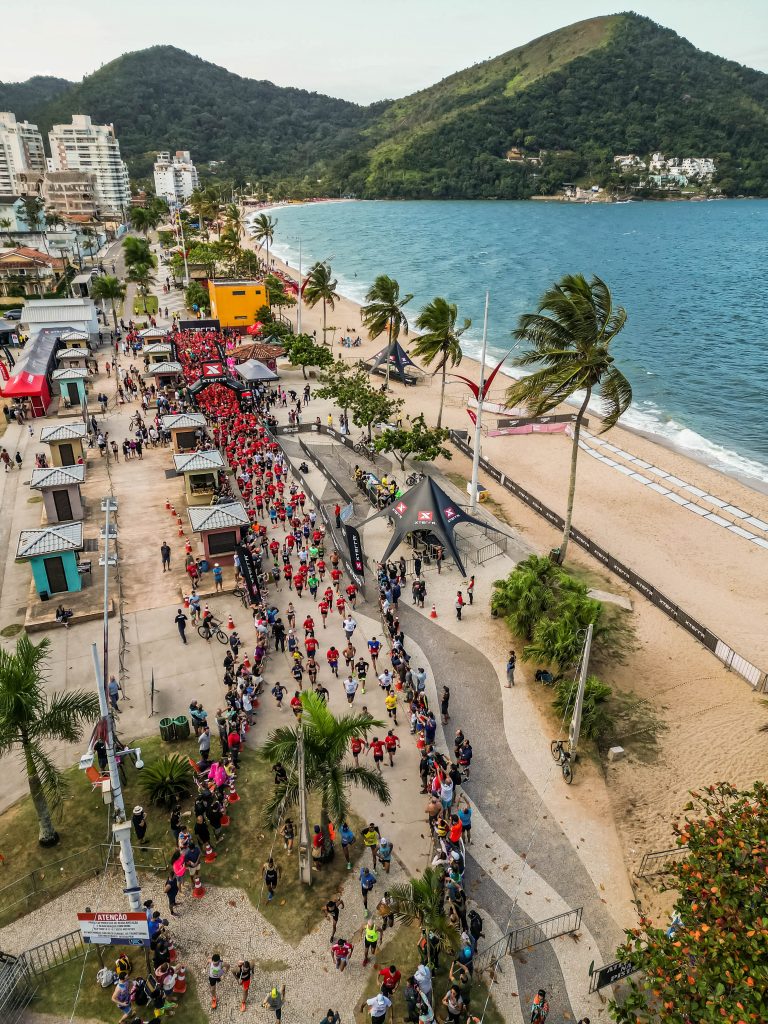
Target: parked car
<point>13,314</point>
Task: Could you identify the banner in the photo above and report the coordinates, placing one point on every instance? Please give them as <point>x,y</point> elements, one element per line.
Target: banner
<point>250,575</point>
<point>119,929</point>
<point>355,545</point>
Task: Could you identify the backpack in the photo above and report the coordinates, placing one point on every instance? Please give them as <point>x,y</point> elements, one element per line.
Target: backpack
<point>106,977</point>
<point>475,924</point>
<point>123,965</point>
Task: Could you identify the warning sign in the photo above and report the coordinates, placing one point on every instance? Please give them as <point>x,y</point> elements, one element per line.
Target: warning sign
<point>118,929</point>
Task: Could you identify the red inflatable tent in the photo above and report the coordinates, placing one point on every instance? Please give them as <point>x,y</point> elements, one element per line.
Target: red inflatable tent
<point>33,386</point>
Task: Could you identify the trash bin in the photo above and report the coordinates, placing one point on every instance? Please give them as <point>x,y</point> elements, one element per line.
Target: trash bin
<point>181,726</point>
<point>167,729</point>
<point>554,555</point>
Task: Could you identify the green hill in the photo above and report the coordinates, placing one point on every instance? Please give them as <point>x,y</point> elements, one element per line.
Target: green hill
<point>619,84</point>
<point>165,98</point>
<point>568,102</point>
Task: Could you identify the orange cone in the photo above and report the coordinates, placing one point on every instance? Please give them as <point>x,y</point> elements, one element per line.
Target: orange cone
<point>225,819</point>
<point>210,854</point>
<point>173,510</point>
<point>234,796</point>
<point>198,891</point>
<point>433,613</point>
<point>188,548</point>
<point>181,529</point>
<point>181,981</point>
<point>230,623</point>
<point>186,601</point>
<point>172,954</point>
<point>167,503</point>
<point>246,662</point>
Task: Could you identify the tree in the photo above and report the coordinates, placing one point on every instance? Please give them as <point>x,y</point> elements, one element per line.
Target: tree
<point>327,771</point>
<point>526,595</point>
<point>29,716</point>
<point>441,341</point>
<point>33,212</point>
<point>136,250</point>
<point>711,964</point>
<point>573,343</point>
<point>200,203</point>
<point>421,443</point>
<point>144,218</point>
<point>108,288</point>
<point>303,352</point>
<point>196,295</point>
<point>263,229</point>
<point>167,780</point>
<point>141,274</point>
<point>320,285</point>
<point>342,383</point>
<point>370,405</point>
<point>423,900</point>
<point>384,312</point>
<point>278,296</point>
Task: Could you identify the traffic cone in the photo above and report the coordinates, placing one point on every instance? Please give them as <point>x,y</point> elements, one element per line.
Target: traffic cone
<point>173,511</point>
<point>188,548</point>
<point>199,890</point>
<point>167,503</point>
<point>172,954</point>
<point>246,662</point>
<point>210,854</point>
<point>433,613</point>
<point>234,796</point>
<point>225,820</point>
<point>186,601</point>
<point>181,981</point>
<point>181,529</point>
<point>230,623</point>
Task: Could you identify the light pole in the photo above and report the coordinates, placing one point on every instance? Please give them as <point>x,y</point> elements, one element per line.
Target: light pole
<point>305,856</point>
<point>479,420</point>
<point>121,829</point>
<point>183,246</point>
<point>298,297</point>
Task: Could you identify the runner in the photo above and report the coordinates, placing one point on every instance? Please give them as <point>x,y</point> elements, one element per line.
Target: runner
<point>274,1001</point>
<point>347,839</point>
<point>362,671</point>
<point>271,874</point>
<point>243,974</point>
<point>374,646</point>
<point>331,911</point>
<point>332,658</point>
<point>341,951</point>
<point>391,742</point>
<point>390,703</point>
<point>350,688</point>
<point>371,935</point>
<point>384,854</point>
<point>217,968</point>
<point>377,746</point>
<point>278,692</point>
<point>371,837</point>
<point>377,1007</point>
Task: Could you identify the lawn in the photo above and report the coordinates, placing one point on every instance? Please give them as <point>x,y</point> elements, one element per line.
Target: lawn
<point>401,949</point>
<point>152,305</point>
<point>56,994</point>
<point>246,846</point>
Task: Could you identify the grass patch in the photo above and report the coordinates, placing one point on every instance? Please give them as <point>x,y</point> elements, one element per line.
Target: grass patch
<point>56,994</point>
<point>35,500</point>
<point>10,631</point>
<point>44,874</point>
<point>140,308</point>
<point>401,949</point>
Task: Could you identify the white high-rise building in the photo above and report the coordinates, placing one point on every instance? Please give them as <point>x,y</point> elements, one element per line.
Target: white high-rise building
<point>21,149</point>
<point>175,179</point>
<point>84,146</point>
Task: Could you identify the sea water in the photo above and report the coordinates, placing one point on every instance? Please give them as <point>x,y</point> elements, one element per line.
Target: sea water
<point>693,277</point>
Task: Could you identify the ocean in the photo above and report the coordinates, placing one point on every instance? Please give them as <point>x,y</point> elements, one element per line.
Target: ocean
<point>693,277</point>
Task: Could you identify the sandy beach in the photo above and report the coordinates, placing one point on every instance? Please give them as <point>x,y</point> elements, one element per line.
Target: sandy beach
<point>712,716</point>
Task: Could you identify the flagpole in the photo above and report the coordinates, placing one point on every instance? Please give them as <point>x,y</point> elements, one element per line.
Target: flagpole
<point>298,307</point>
<point>479,420</point>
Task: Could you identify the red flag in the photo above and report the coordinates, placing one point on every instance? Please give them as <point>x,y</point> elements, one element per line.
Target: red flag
<point>472,416</point>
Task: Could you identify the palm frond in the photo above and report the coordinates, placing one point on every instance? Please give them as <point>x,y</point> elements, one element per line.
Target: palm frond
<point>66,715</point>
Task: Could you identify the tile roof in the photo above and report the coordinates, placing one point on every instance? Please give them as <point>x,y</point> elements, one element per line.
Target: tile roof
<point>64,432</point>
<point>73,335</point>
<point>153,332</point>
<point>183,419</point>
<point>217,517</point>
<point>198,461</point>
<point>168,366</point>
<point>157,348</point>
<point>74,353</point>
<point>71,373</point>
<point>57,476</point>
<point>51,540</point>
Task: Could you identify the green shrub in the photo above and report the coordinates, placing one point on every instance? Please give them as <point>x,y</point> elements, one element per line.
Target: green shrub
<point>167,780</point>
<point>595,721</point>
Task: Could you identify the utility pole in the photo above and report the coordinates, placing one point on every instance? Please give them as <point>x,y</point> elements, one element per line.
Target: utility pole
<point>575,727</point>
<point>184,247</point>
<point>479,418</point>
<point>121,829</point>
<point>305,856</point>
<point>298,304</point>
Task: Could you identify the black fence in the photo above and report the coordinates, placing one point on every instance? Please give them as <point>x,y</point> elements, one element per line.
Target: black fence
<point>326,473</point>
<point>733,661</point>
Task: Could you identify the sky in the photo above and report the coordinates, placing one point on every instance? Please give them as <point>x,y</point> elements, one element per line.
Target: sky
<point>362,50</point>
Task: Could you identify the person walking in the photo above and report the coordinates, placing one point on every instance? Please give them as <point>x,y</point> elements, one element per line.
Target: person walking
<point>171,889</point>
<point>113,690</point>
<point>165,554</point>
<point>274,1001</point>
<point>6,459</point>
<point>139,822</point>
<point>511,663</point>
<point>217,968</point>
<point>181,623</point>
<point>377,1007</point>
<point>539,1008</point>
<point>367,882</point>
<point>459,604</point>
<point>271,875</point>
<point>471,590</point>
<point>242,974</point>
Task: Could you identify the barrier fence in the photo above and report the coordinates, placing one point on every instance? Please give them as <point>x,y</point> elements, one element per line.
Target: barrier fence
<point>527,935</point>
<point>733,661</point>
<point>658,862</point>
<point>17,988</point>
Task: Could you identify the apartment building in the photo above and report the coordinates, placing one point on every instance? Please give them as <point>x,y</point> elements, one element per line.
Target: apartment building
<point>72,195</point>
<point>21,149</point>
<point>92,149</point>
<point>175,177</point>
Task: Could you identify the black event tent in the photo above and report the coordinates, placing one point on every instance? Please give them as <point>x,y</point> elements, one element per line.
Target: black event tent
<point>426,508</point>
<point>398,359</point>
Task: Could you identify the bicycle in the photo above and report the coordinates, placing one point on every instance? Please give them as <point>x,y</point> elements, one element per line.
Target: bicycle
<point>242,593</point>
<point>211,629</point>
<point>364,447</point>
<point>563,758</point>
<point>415,478</point>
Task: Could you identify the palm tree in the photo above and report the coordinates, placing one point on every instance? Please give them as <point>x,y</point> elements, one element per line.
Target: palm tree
<point>320,284</point>
<point>145,218</point>
<point>264,232</point>
<point>136,250</point>
<point>570,334</point>
<point>200,204</point>
<point>423,900</point>
<point>33,212</point>
<point>442,338</point>
<point>384,312</point>
<point>141,274</point>
<point>111,288</point>
<point>326,747</point>
<point>29,716</point>
<point>233,220</point>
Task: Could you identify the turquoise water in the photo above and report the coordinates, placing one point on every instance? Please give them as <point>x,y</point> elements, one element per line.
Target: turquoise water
<point>692,276</point>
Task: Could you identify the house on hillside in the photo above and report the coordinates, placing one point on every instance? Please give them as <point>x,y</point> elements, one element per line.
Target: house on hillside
<point>12,215</point>
<point>27,271</point>
<point>515,156</point>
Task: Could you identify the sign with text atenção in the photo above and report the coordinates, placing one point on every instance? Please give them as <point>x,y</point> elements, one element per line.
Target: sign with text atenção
<point>115,929</point>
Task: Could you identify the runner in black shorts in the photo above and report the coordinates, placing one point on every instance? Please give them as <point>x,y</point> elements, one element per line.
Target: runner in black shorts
<point>216,971</point>
<point>271,875</point>
<point>243,974</point>
<point>332,908</point>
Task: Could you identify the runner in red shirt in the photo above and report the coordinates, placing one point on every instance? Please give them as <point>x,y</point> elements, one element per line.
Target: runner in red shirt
<point>377,746</point>
<point>390,979</point>
<point>274,548</point>
<point>320,566</point>
<point>323,607</point>
<point>328,595</point>
<point>311,644</point>
<point>336,577</point>
<point>340,604</point>
<point>298,582</point>
<point>296,704</point>
<point>391,742</point>
<point>332,657</point>
<point>357,749</point>
<point>309,626</point>
<point>288,574</point>
<point>352,594</point>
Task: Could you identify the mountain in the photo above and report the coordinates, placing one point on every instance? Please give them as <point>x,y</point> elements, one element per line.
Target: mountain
<point>165,98</point>
<point>28,99</point>
<point>617,84</point>
<point>567,102</point>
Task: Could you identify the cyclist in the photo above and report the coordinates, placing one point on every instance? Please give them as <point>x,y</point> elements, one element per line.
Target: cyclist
<point>208,623</point>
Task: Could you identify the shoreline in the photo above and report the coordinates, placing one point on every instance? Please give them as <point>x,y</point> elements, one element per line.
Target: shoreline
<point>666,444</point>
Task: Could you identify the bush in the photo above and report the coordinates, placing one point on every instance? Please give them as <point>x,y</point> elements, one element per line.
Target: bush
<point>167,780</point>
<point>594,717</point>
